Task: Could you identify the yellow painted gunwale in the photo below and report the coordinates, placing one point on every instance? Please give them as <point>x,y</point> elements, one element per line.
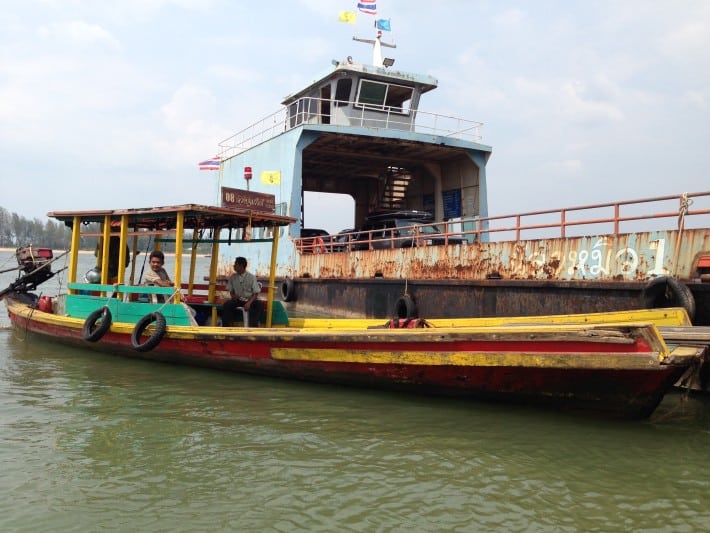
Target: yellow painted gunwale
<point>672,316</point>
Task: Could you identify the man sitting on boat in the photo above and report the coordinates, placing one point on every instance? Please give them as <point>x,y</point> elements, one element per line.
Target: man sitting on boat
<point>157,275</point>
<point>244,290</point>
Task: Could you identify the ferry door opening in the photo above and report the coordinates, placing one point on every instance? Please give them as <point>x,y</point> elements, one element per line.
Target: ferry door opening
<point>325,105</point>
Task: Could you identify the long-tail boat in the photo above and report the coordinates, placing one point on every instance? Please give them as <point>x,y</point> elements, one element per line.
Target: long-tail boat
<point>616,364</point>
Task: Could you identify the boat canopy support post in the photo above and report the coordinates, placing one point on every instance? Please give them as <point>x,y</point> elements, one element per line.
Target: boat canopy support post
<point>133,262</point>
<point>272,276</point>
<point>179,231</point>
<point>105,244</point>
<point>213,273</point>
<point>123,245</point>
<point>193,261</point>
<point>74,256</point>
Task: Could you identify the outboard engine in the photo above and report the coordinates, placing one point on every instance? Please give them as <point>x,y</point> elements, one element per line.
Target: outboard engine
<point>36,265</point>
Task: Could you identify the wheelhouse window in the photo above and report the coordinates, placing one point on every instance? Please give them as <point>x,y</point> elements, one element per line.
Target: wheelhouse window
<point>342,91</point>
<point>388,97</point>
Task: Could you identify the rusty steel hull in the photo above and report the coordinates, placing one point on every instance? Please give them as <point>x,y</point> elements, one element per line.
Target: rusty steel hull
<point>377,298</point>
<point>532,277</point>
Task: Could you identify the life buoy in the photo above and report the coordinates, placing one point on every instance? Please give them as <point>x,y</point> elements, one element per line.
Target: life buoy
<point>93,332</point>
<point>154,339</point>
<point>318,245</point>
<point>665,291</point>
<point>405,307</point>
<point>288,290</point>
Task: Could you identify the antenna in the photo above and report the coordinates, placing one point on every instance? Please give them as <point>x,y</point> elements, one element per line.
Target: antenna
<point>377,45</point>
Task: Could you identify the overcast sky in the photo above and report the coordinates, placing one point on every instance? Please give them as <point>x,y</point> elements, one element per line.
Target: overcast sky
<point>112,104</point>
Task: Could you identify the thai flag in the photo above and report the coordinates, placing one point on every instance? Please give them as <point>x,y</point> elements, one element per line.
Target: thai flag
<point>210,164</point>
<point>368,6</point>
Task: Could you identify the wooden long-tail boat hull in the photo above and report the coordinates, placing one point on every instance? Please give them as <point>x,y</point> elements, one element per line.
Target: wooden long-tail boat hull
<point>622,370</point>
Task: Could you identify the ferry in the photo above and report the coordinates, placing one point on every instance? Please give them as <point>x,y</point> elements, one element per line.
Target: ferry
<point>421,241</point>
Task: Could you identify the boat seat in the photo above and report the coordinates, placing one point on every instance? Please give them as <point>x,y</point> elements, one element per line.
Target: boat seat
<point>245,315</point>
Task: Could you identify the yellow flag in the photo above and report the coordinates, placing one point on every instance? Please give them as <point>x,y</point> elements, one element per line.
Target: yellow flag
<point>347,16</point>
<point>271,177</point>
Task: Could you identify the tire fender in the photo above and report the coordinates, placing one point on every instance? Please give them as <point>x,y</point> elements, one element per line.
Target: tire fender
<point>665,291</point>
<point>288,290</point>
<point>91,332</point>
<point>405,307</point>
<point>154,339</point>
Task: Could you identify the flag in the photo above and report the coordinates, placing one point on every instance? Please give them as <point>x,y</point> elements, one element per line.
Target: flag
<point>382,24</point>
<point>368,6</point>
<point>271,177</point>
<point>348,17</point>
<point>210,164</point>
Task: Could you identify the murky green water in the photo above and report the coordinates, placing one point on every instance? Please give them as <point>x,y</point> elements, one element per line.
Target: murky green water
<point>98,442</point>
<point>94,442</point>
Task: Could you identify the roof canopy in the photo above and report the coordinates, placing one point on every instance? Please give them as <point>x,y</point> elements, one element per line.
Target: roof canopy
<point>165,218</point>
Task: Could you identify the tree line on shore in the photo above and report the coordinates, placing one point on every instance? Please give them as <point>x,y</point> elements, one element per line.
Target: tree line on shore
<point>16,231</point>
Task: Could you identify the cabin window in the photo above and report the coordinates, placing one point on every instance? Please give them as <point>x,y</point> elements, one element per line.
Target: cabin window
<point>293,114</point>
<point>342,92</point>
<point>372,93</point>
<point>384,96</point>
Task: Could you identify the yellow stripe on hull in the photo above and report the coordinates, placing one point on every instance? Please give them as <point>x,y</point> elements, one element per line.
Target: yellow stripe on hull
<point>470,359</point>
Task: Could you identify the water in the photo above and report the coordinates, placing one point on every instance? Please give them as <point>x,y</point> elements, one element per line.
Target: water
<point>92,442</point>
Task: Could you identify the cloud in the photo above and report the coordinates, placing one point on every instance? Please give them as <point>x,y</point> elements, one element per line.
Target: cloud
<point>689,38</point>
<point>78,32</point>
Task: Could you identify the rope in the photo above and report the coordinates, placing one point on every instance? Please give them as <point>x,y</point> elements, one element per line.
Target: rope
<point>168,300</point>
<point>27,325</point>
<point>66,259</point>
<point>685,203</point>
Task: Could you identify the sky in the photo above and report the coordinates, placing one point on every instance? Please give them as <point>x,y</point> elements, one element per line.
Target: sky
<point>113,104</point>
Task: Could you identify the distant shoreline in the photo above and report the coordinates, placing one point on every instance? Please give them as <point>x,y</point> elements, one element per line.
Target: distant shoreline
<point>55,252</point>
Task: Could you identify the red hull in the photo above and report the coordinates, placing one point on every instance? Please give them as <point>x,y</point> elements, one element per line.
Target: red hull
<point>623,390</point>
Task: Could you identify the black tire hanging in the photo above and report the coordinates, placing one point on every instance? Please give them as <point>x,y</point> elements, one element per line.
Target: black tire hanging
<point>665,291</point>
<point>96,324</point>
<point>288,290</point>
<point>154,339</point>
<point>405,307</point>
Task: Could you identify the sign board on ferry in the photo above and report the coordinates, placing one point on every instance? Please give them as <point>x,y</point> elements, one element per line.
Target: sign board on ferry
<point>252,201</point>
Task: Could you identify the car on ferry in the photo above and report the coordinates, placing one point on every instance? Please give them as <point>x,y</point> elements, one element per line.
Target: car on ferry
<point>402,229</point>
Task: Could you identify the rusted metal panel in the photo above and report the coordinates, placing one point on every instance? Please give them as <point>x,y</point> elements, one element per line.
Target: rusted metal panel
<point>628,257</point>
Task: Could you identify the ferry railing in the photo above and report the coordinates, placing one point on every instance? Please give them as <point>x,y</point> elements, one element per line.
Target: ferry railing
<point>611,218</point>
<point>687,211</point>
<point>307,110</point>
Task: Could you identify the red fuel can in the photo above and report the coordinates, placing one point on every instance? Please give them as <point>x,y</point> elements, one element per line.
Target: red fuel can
<point>45,304</point>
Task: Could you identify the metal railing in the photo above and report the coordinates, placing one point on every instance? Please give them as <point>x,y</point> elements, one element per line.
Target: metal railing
<point>307,110</point>
<point>687,211</point>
